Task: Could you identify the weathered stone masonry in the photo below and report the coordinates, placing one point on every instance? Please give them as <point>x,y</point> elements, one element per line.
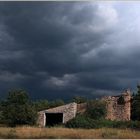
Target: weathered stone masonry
<point>116,110</point>
<point>69,111</point>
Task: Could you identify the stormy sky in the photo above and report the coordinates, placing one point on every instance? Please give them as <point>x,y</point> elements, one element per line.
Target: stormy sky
<point>65,49</point>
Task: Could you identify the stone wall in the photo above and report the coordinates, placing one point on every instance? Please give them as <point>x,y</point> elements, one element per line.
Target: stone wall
<point>81,108</point>
<point>69,112</point>
<point>116,111</point>
<point>41,119</point>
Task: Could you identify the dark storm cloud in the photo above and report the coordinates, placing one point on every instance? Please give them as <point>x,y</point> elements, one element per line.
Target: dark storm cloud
<point>62,49</point>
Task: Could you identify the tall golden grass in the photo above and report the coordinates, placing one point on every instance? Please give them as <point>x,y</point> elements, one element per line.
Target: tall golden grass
<point>59,133</point>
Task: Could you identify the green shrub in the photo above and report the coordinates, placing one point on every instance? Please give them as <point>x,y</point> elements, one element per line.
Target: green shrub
<point>125,124</point>
<point>106,123</point>
<point>96,109</point>
<point>17,109</point>
<point>82,122</point>
<point>119,124</point>
<point>79,99</point>
<point>135,105</point>
<point>78,122</point>
<point>86,122</point>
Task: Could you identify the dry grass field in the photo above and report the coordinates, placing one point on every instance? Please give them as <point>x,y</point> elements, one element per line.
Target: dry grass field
<point>59,133</point>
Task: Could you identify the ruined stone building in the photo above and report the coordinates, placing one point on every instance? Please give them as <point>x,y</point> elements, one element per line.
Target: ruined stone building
<point>57,115</point>
<point>60,114</point>
<point>118,108</point>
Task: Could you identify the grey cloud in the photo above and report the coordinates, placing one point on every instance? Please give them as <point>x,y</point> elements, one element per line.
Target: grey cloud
<point>10,77</point>
<point>64,49</point>
<point>68,80</point>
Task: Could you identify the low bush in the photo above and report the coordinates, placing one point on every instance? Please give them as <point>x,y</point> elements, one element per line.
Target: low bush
<point>128,124</point>
<point>96,109</point>
<point>79,122</point>
<point>86,122</point>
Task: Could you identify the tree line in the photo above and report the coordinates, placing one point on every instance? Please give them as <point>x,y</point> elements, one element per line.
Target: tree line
<point>19,109</point>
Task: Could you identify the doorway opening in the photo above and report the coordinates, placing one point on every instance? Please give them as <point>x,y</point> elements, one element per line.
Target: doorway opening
<point>54,118</point>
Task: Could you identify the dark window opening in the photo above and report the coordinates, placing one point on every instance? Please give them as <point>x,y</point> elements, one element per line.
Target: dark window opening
<point>121,100</point>
<point>54,118</point>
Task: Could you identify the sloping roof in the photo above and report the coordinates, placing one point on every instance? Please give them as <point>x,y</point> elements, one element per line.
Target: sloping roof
<point>60,109</point>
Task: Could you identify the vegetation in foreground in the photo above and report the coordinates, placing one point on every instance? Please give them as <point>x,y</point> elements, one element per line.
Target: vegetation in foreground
<point>89,123</point>
<point>58,133</point>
